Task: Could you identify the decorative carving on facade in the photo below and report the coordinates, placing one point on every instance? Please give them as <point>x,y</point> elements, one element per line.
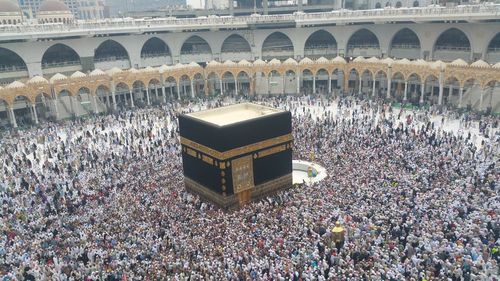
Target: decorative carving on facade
<point>158,76</point>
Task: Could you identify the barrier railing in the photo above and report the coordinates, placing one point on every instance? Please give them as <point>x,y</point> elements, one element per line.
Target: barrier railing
<point>469,11</point>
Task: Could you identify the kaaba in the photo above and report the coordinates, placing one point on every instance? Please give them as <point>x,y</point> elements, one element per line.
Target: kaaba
<point>238,153</point>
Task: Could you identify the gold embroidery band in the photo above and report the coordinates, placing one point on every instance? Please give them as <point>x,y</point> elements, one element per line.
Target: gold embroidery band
<point>208,159</point>
<point>272,150</point>
<point>236,151</point>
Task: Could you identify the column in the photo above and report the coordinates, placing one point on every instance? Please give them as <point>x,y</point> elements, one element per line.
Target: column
<point>389,81</point>
<point>156,93</point>
<point>205,88</point>
<point>265,6</point>
<point>405,97</point>
<point>297,76</point>
<point>113,94</point>
<point>460,96</point>
<point>441,82</point>
<point>481,97</point>
<point>71,104</point>
<point>108,98</point>
<point>236,86</point>
<point>147,96</point>
<point>55,108</point>
<point>12,117</point>
<point>252,86</point>
<point>314,84</point>
<point>96,111</point>
<point>192,88</point>
<point>422,92</point>
<point>373,88</point>
<point>284,76</point>
<point>131,99</point>
<point>269,83</point>
<point>163,94</point>
<point>35,117</point>
<point>231,7</point>
<point>221,89</point>
<point>360,84</point>
<point>329,79</point>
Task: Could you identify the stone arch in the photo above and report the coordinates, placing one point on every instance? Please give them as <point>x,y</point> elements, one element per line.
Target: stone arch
<point>488,91</point>
<point>213,83</point>
<point>277,45</point>
<point>198,84</point>
<point>11,61</point>
<point>451,89</point>
<point>352,80</point>
<point>452,44</point>
<point>322,76</point>
<point>83,97</point>
<point>363,42</point>
<point>405,44</point>
<point>196,49</point>
<point>380,80</point>
<point>23,97</point>
<point>431,88</point>
<point>22,113</point>
<point>228,80</point>
<point>138,91</point>
<point>111,51</point>
<point>155,47</point>
<point>378,5</point>
<point>493,49</point>
<point>185,85</point>
<point>60,56</point>
<point>320,43</point>
<point>416,4</point>
<point>155,52</point>
<point>103,94</point>
<point>235,47</point>
<point>290,81</point>
<point>42,109</point>
<point>399,4</point>
<point>414,88</point>
<point>275,82</point>
<point>124,93</point>
<point>173,89</point>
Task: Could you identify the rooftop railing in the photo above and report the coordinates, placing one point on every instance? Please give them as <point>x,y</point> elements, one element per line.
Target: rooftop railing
<point>491,11</point>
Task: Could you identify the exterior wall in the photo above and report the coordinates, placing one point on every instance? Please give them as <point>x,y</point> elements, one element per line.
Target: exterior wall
<point>479,34</point>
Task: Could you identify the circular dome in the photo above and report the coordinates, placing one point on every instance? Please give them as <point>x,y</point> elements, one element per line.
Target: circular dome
<point>8,6</point>
<point>53,6</point>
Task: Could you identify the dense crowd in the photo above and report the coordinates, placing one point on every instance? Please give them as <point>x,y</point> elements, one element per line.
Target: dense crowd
<point>103,199</point>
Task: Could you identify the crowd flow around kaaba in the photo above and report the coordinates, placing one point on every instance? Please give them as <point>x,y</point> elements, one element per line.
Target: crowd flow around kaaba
<point>103,198</point>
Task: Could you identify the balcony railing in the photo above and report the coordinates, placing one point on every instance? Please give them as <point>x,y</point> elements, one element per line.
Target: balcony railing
<point>452,48</point>
<point>154,55</point>
<point>110,58</point>
<point>12,68</point>
<point>469,12</point>
<point>59,64</point>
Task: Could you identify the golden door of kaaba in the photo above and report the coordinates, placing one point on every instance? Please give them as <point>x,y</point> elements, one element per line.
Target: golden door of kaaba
<point>242,170</point>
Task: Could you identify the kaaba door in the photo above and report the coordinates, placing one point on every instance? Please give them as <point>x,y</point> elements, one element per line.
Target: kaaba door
<point>242,169</point>
<point>244,197</point>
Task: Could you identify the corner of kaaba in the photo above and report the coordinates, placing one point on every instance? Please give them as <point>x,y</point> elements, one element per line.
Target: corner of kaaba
<point>236,154</point>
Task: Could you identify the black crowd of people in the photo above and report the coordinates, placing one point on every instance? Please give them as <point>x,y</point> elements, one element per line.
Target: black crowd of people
<point>103,199</point>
